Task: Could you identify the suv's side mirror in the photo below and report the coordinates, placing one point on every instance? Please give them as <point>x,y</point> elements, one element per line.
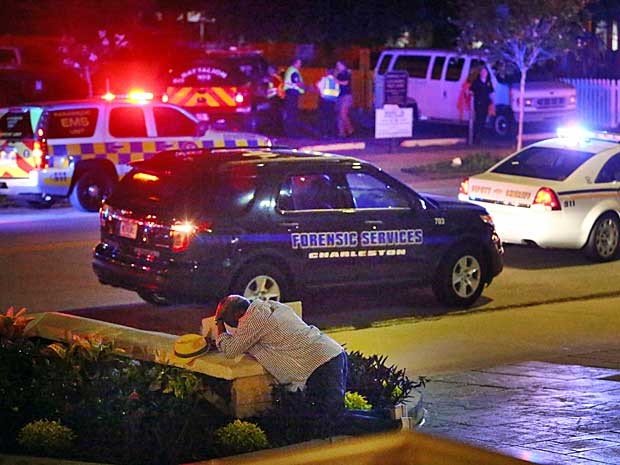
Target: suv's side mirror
<point>202,127</point>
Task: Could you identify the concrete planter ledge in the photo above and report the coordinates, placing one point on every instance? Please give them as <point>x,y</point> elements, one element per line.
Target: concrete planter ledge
<point>250,383</point>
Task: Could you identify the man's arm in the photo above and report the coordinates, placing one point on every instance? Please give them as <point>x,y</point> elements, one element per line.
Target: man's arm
<point>249,331</point>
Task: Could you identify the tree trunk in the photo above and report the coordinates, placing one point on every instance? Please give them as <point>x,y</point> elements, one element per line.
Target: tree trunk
<point>521,108</point>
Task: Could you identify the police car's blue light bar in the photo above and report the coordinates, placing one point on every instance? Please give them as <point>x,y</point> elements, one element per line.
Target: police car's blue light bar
<point>575,135</point>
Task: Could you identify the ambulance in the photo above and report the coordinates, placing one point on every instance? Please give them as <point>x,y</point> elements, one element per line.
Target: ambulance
<point>80,149</point>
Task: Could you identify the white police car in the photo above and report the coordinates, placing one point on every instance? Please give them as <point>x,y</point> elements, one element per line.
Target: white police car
<point>559,193</point>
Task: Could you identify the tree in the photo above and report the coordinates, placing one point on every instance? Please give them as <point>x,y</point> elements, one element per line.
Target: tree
<point>519,33</point>
<point>84,58</point>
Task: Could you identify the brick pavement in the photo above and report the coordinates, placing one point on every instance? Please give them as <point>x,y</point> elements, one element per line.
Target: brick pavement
<point>561,411</point>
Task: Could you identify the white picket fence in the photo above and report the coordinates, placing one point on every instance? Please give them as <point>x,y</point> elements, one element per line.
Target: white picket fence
<point>598,101</point>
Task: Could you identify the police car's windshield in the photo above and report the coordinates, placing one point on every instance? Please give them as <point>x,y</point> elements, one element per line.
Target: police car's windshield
<point>544,163</point>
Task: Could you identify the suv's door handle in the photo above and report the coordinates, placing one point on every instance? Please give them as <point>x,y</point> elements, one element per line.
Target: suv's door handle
<point>375,222</point>
<point>290,225</point>
<point>117,146</point>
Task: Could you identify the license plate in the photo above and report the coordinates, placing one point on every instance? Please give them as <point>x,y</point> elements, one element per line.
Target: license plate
<point>129,229</point>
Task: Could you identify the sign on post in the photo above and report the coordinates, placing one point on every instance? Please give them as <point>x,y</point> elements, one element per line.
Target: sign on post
<point>395,88</point>
<point>391,121</point>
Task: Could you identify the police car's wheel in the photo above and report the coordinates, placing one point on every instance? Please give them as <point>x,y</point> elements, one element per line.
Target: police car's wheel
<point>90,190</point>
<point>604,240</point>
<point>263,282</point>
<point>460,278</point>
<point>154,298</point>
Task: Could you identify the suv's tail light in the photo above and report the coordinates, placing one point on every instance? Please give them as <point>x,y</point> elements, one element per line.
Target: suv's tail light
<point>464,187</point>
<point>546,198</point>
<point>183,233</point>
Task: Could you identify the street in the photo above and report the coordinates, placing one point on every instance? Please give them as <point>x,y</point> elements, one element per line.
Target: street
<point>46,257</point>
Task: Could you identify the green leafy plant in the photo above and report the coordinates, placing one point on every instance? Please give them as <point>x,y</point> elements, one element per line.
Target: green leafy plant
<point>239,437</point>
<point>46,437</point>
<point>12,325</point>
<point>382,385</point>
<point>356,401</point>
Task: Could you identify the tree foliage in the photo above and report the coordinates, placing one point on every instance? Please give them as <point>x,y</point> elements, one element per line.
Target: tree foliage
<point>519,33</point>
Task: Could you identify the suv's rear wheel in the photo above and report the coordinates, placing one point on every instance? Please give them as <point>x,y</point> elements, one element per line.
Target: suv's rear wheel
<point>604,241</point>
<point>504,123</point>
<point>154,298</point>
<point>459,280</point>
<point>90,189</point>
<point>263,282</point>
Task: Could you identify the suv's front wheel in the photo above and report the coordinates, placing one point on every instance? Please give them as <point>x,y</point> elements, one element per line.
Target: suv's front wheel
<point>263,282</point>
<point>459,280</point>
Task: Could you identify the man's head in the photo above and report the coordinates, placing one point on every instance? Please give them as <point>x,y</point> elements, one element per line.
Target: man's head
<point>231,308</point>
<point>340,66</point>
<point>483,74</point>
<point>296,63</point>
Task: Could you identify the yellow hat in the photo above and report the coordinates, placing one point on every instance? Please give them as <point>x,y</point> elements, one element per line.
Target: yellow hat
<point>189,347</point>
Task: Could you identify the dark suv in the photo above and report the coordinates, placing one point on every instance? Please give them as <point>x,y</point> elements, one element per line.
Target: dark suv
<point>187,226</point>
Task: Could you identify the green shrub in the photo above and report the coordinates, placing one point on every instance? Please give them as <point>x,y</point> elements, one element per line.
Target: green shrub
<point>356,401</point>
<point>239,437</point>
<point>382,385</point>
<point>45,437</point>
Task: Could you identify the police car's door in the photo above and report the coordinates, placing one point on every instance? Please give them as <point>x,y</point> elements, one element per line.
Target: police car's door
<point>393,228</point>
<point>312,210</point>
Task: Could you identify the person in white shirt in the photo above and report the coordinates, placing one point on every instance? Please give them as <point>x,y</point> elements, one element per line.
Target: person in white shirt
<point>296,354</point>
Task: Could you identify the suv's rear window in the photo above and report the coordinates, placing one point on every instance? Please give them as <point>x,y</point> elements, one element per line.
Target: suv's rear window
<point>221,71</point>
<point>80,122</point>
<point>186,188</point>
<point>16,125</point>
<point>544,162</point>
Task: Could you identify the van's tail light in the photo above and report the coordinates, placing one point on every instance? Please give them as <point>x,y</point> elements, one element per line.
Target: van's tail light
<point>183,233</point>
<point>546,198</point>
<point>464,187</point>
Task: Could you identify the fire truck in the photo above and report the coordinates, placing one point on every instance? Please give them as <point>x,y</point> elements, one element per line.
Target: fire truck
<point>224,86</point>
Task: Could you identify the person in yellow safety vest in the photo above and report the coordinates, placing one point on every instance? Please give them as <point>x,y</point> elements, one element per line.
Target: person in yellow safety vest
<point>275,83</point>
<point>329,90</point>
<point>293,88</point>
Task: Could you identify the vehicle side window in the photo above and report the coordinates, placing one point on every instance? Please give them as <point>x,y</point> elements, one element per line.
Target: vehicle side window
<point>370,192</point>
<point>415,65</point>
<point>63,124</point>
<point>170,122</point>
<point>385,62</point>
<point>610,171</point>
<point>127,122</point>
<point>311,192</point>
<point>437,67</point>
<point>455,69</point>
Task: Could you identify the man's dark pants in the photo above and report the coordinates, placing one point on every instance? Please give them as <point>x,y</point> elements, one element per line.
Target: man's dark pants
<point>326,387</point>
<point>327,113</point>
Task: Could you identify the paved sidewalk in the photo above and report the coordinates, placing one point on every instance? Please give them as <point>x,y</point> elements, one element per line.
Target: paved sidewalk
<point>561,411</point>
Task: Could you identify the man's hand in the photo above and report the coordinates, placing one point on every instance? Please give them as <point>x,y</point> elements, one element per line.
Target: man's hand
<point>220,325</point>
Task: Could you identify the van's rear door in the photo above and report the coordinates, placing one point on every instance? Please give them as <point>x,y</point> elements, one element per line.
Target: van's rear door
<point>17,137</point>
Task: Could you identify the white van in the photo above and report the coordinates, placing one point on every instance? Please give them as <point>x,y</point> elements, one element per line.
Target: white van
<point>437,81</point>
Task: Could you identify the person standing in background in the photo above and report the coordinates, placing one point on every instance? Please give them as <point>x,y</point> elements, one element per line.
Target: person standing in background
<point>329,90</point>
<point>345,100</point>
<point>293,88</point>
<point>482,90</point>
